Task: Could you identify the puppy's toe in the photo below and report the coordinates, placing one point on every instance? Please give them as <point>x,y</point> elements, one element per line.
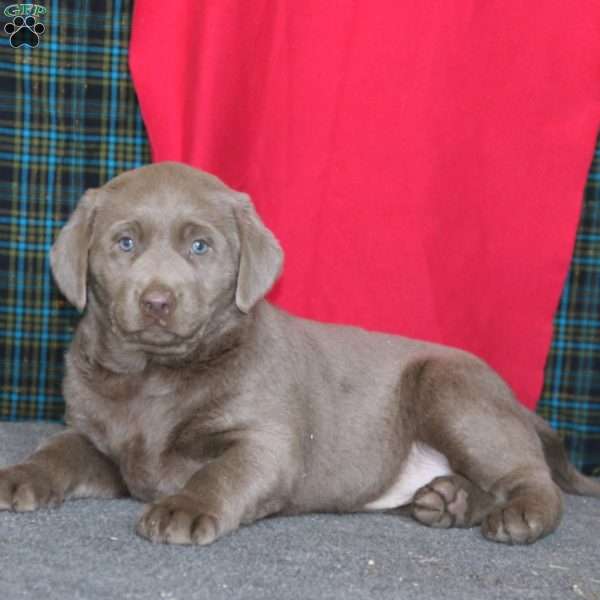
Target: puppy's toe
<point>204,529</point>
<point>178,528</point>
<point>152,523</point>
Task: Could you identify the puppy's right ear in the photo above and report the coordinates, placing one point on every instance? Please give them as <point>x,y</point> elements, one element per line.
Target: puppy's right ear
<point>69,254</point>
<point>261,256</point>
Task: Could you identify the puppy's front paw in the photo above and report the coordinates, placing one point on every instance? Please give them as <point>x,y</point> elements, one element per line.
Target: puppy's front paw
<point>177,519</point>
<point>25,488</point>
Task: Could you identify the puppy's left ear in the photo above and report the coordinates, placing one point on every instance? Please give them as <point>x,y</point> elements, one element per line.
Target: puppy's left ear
<point>69,254</point>
<point>261,257</point>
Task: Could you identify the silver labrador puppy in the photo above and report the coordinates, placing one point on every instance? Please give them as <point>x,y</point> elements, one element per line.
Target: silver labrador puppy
<point>187,390</point>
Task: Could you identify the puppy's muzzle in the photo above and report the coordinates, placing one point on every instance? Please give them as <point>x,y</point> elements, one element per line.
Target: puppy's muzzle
<point>157,304</point>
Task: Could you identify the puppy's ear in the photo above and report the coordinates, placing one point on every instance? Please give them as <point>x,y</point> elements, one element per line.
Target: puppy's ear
<point>69,254</point>
<point>261,257</point>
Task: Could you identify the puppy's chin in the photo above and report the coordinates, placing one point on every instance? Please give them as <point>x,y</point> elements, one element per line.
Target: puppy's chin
<point>158,340</point>
<point>161,351</point>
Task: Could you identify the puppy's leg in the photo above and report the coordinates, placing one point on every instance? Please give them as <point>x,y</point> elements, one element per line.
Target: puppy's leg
<point>451,501</point>
<point>65,466</point>
<point>243,484</point>
<point>466,412</point>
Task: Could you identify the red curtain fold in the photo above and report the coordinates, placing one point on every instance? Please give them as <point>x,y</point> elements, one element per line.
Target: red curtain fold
<point>421,163</point>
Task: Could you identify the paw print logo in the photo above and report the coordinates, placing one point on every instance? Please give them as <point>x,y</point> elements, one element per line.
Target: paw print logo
<point>24,32</point>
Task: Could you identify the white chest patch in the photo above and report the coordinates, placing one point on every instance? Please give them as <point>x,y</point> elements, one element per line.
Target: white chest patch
<point>422,465</point>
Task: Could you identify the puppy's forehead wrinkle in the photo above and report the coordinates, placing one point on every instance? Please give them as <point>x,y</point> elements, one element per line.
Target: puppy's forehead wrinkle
<point>150,213</point>
<point>153,206</point>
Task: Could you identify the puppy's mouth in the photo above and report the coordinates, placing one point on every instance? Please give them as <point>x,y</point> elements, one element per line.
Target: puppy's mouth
<point>160,344</point>
<point>154,335</point>
<point>155,338</point>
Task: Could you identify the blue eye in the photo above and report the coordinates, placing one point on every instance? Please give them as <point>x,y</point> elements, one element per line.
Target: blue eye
<point>199,247</point>
<point>126,244</point>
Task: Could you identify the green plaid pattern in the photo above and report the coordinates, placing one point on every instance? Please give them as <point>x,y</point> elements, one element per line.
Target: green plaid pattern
<point>571,397</point>
<point>69,120</point>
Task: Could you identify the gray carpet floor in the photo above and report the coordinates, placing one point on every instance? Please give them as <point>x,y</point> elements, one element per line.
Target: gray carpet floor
<point>87,549</point>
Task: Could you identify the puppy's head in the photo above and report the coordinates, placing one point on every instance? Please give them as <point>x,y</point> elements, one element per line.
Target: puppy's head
<point>161,250</point>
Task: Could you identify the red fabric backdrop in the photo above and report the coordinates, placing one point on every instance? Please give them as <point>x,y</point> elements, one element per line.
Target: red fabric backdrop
<point>421,163</point>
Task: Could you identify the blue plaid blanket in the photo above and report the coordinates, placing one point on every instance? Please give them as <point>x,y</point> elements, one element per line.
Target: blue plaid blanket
<point>571,397</point>
<point>69,120</point>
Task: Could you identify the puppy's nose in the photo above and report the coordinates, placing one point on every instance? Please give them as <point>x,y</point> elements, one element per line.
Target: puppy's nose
<point>157,302</point>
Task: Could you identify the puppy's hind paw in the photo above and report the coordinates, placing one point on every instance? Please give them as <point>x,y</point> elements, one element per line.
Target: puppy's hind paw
<point>515,524</point>
<point>432,503</point>
<point>451,501</point>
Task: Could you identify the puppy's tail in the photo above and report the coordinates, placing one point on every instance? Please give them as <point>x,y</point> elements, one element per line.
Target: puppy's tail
<point>566,476</point>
